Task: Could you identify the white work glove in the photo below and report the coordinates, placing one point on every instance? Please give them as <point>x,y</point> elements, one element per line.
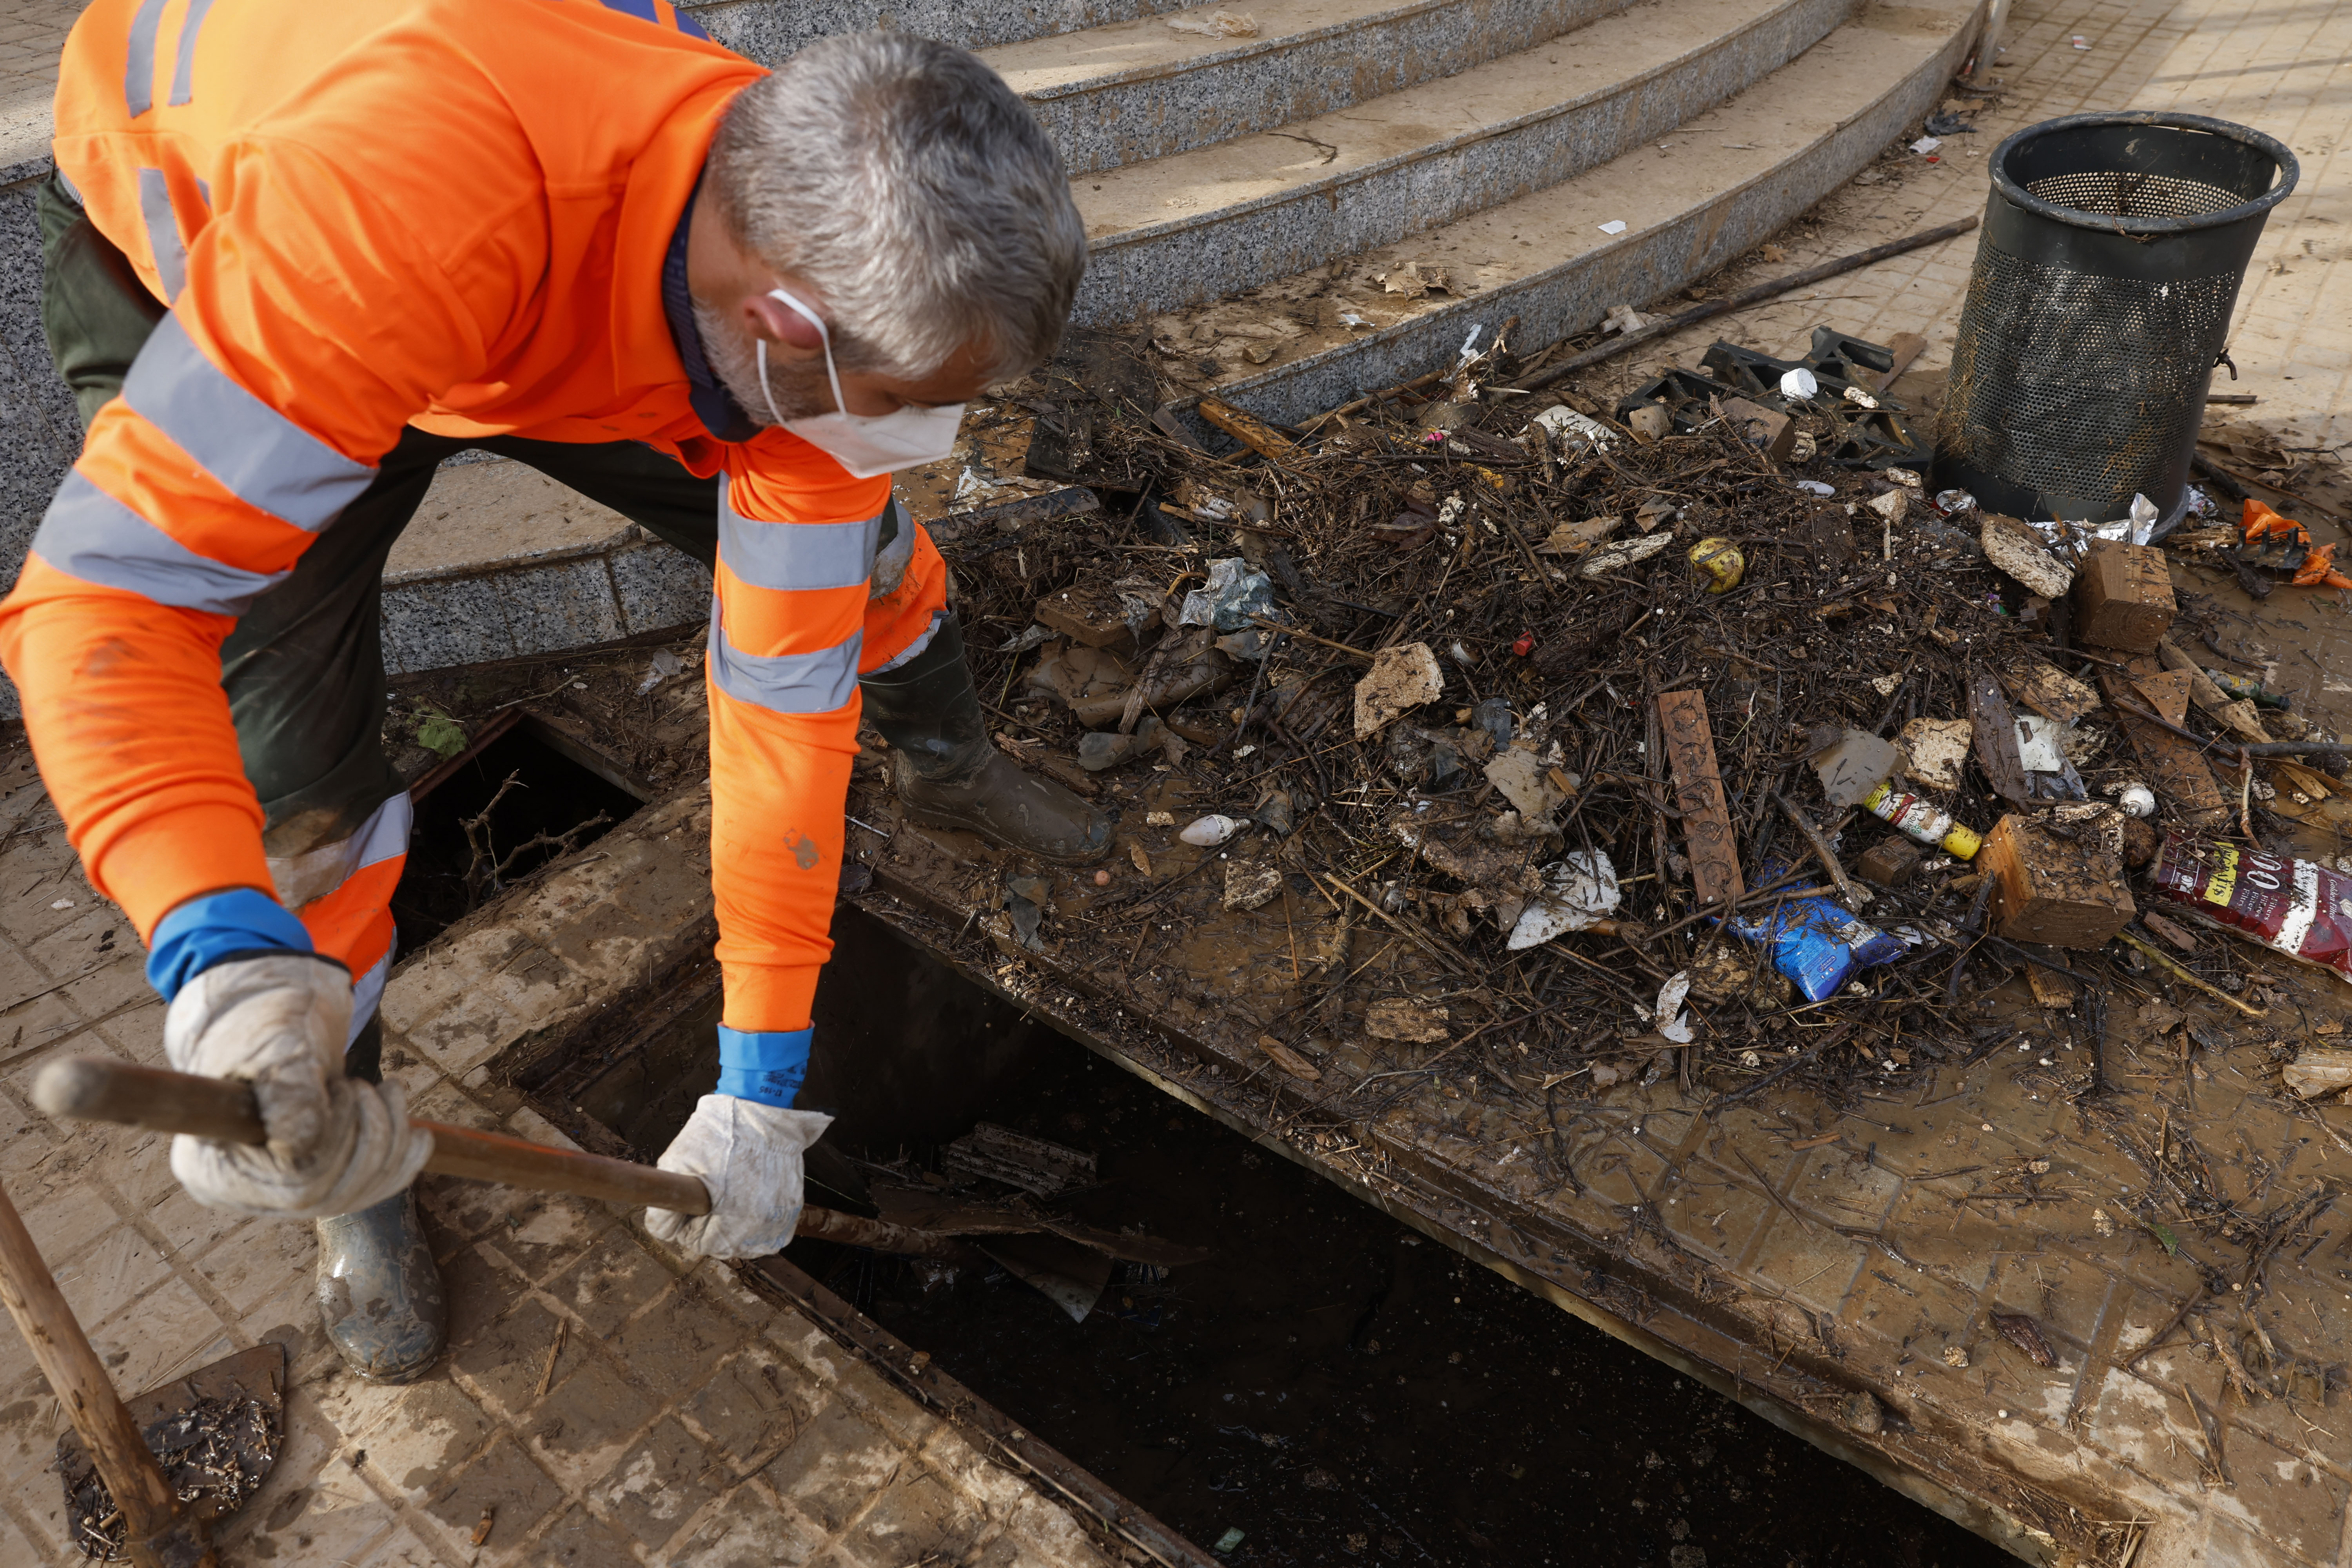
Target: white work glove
<point>748,1155</point>
<point>279,1022</point>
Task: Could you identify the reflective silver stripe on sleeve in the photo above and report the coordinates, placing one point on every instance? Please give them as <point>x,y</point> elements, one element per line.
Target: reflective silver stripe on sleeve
<point>315,872</point>
<point>69,187</point>
<point>796,555</point>
<point>890,565</point>
<point>786,683</point>
<point>183,75</point>
<point>139,72</point>
<point>162,232</point>
<point>263,459</point>
<point>89,534</point>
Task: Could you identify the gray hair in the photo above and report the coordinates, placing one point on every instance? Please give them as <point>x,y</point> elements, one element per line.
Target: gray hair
<point>915,190</point>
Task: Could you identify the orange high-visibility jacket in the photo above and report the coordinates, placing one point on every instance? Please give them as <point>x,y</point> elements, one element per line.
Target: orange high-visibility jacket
<point>450,213</point>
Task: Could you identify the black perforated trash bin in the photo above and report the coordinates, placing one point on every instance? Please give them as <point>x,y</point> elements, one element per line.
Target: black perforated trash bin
<point>2106,274</point>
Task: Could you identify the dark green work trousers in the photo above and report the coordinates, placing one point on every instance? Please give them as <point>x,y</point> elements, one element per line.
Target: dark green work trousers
<point>304,669</point>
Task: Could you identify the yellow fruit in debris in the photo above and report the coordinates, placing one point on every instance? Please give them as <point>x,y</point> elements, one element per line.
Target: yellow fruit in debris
<point>1720,560</point>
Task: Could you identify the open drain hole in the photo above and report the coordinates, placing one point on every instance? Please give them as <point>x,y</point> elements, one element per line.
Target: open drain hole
<point>522,795</point>
<point>1326,1388</point>
<point>909,1047</point>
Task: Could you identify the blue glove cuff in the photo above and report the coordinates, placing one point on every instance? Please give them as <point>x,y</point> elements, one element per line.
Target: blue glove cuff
<point>767,1068</point>
<point>203,931</point>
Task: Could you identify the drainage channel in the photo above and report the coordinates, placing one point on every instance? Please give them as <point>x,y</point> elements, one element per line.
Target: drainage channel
<point>522,795</point>
<point>1327,1386</point>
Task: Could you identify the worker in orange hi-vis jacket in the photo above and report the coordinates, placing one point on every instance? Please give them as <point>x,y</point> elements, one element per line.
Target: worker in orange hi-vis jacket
<point>299,254</point>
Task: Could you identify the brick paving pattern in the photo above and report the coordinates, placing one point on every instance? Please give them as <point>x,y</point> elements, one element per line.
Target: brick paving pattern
<point>685,1420</point>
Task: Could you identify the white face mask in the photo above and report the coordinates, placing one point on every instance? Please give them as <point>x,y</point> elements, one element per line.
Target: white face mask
<point>865,445</point>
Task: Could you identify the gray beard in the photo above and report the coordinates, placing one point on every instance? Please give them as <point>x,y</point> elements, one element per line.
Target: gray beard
<point>801,390</point>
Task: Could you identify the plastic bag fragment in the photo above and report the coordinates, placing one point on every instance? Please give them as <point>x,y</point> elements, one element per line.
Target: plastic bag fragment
<point>1577,891</point>
<point>1814,942</point>
<point>1233,594</point>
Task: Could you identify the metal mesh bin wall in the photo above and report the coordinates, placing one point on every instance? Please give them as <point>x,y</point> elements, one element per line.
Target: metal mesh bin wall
<point>2106,274</point>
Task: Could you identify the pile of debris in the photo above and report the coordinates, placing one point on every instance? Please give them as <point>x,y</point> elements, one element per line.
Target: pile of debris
<point>1656,736</point>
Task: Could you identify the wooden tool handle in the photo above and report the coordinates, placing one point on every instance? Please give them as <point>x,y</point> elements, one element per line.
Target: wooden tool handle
<point>31,1293</point>
<point>97,1088</point>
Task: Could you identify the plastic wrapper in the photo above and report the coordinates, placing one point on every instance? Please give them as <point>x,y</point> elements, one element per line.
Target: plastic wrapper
<point>2296,907</point>
<point>1815,944</point>
<point>1233,595</point>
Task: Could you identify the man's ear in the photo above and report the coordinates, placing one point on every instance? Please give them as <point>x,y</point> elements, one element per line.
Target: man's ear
<point>779,323</point>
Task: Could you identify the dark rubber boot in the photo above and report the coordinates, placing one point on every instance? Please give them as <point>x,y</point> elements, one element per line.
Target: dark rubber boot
<point>949,774</point>
<point>379,1292</point>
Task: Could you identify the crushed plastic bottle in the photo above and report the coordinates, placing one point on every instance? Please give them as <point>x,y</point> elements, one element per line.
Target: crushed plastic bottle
<point>1233,596</point>
<point>1814,942</point>
<point>2252,690</point>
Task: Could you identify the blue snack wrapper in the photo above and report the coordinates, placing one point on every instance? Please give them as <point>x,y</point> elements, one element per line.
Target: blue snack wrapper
<point>1815,942</point>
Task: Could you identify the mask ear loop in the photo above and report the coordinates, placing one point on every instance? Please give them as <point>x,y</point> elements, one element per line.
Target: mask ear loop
<point>840,404</point>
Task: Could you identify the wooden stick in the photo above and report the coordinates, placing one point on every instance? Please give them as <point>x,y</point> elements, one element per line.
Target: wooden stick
<point>2181,971</point>
<point>157,1529</point>
<point>1308,637</point>
<point>1743,298</point>
<point>99,1088</point>
<point>1248,429</point>
<point>1821,850</point>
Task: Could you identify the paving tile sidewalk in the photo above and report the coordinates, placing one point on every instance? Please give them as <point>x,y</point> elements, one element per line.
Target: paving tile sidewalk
<point>684,1420</point>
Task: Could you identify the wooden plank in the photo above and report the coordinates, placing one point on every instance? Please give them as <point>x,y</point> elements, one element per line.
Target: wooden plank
<point>1994,724</point>
<point>2068,892</point>
<point>2175,768</point>
<point>1906,347</point>
<point>1709,838</point>
<point>2123,596</point>
<point>2166,691</point>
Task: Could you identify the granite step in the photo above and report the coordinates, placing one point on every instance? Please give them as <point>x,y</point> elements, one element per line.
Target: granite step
<point>1729,178</point>
<point>1184,230</point>
<point>1115,96</point>
<point>771,31</point>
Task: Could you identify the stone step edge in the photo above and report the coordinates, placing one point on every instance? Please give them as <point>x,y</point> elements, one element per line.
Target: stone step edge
<point>1202,260</point>
<point>1551,305</point>
<point>768,31</point>
<point>1135,114</point>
